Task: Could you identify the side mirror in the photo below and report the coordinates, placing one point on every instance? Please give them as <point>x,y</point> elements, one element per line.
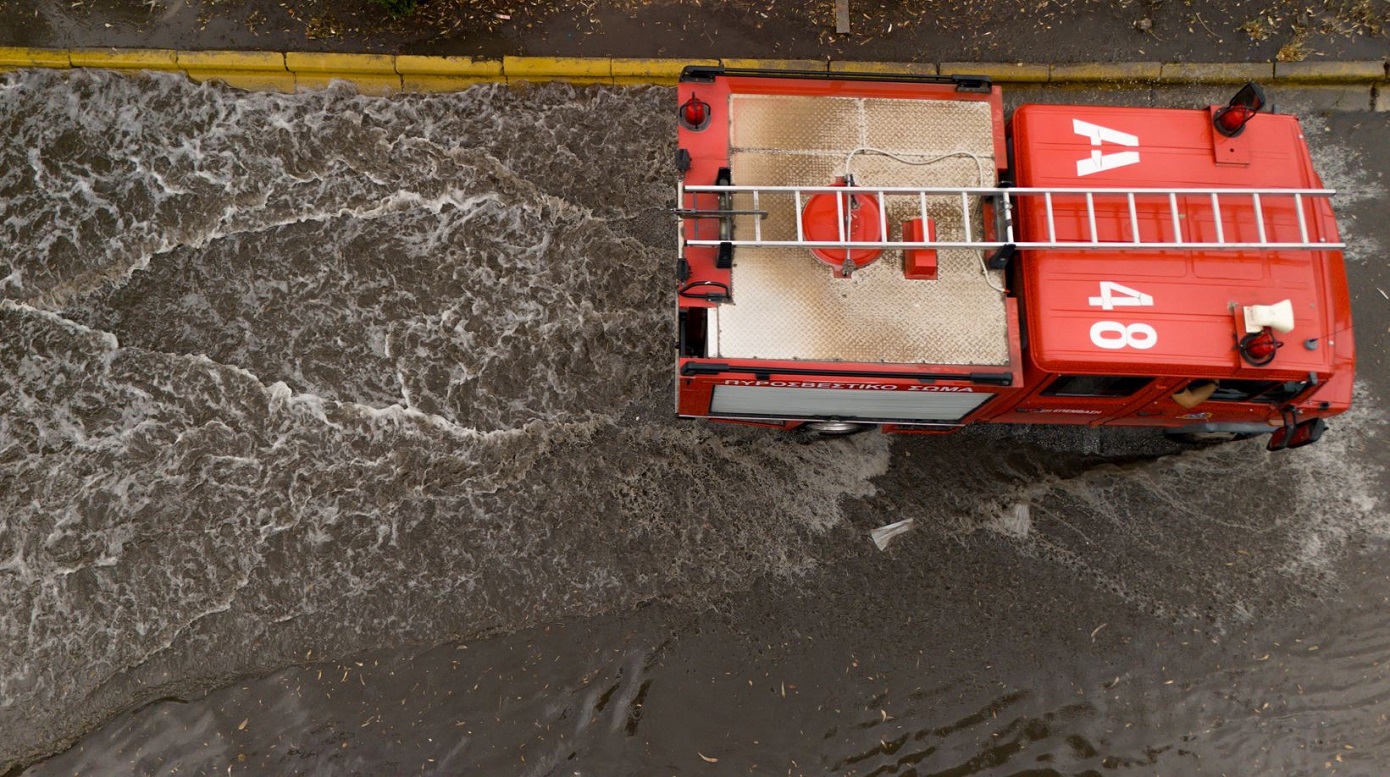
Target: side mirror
<point>1297,436</point>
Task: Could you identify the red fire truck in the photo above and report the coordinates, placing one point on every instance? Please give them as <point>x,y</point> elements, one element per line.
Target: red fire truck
<point>862,250</point>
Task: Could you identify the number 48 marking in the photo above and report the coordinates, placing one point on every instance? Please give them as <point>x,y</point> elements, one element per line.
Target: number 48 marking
<point>1130,298</point>
<point>1113,335</point>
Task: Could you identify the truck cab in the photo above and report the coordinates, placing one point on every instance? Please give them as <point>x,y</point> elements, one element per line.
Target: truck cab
<point>858,250</point>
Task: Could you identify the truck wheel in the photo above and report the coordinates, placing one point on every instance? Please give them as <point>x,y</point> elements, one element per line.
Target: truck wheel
<point>835,428</point>
<point>1207,438</point>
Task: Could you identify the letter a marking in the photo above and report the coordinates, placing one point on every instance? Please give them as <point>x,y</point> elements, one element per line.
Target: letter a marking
<point>1099,162</point>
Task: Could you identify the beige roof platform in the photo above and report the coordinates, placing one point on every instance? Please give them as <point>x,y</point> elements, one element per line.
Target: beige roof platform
<point>788,305</point>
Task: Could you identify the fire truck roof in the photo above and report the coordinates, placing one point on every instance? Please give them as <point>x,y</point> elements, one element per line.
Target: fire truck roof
<point>1146,310</point>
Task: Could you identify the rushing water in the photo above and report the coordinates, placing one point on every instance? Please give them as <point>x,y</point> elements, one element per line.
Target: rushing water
<point>320,378</point>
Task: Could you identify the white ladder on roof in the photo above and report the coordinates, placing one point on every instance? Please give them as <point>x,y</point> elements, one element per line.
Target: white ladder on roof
<point>1247,210</point>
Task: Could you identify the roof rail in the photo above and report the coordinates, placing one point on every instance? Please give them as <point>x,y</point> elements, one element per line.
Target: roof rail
<point>707,74</point>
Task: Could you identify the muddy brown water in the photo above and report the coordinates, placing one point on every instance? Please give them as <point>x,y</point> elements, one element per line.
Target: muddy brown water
<point>337,440</point>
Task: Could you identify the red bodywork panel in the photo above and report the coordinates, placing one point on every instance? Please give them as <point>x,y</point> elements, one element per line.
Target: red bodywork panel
<point>1168,316</point>
<point>1191,327</point>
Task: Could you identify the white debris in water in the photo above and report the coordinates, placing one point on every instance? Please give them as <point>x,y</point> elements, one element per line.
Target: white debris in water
<point>1015,522</point>
<point>884,535</point>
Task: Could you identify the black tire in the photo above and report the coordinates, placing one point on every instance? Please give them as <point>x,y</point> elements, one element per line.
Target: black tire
<point>822,430</point>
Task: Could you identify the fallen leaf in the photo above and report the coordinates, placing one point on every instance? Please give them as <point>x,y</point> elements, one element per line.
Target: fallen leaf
<point>706,758</point>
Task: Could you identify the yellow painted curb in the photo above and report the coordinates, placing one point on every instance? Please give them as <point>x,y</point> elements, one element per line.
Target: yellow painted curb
<point>257,71</point>
<point>1111,72</point>
<point>387,74</point>
<point>15,57</point>
<point>653,71</point>
<point>445,74</point>
<point>125,59</point>
<point>998,71</point>
<point>372,73</point>
<point>886,68</point>
<point>1216,72</point>
<point>818,65</point>
<point>576,70</point>
<point>1329,72</point>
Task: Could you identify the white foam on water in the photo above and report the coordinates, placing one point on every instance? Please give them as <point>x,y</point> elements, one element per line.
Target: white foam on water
<point>1215,533</point>
<point>215,507</point>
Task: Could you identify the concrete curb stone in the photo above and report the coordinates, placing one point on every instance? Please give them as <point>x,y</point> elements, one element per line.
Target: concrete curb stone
<point>576,70</point>
<point>1329,72</point>
<point>11,58</point>
<point>1000,71</point>
<point>1117,71</point>
<point>125,59</point>
<point>372,73</point>
<point>443,74</point>
<point>1216,72</point>
<point>252,70</point>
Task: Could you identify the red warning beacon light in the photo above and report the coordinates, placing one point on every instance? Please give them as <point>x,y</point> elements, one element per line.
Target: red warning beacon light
<point>1231,120</point>
<point>694,114</point>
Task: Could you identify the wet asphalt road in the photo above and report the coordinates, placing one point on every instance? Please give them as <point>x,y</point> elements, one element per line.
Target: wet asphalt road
<point>361,405</point>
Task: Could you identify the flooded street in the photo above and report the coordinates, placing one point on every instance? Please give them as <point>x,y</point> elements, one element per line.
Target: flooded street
<point>338,439</point>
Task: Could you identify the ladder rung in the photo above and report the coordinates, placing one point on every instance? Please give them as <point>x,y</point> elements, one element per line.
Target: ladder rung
<point>1091,216</point>
<point>840,216</point>
<point>1133,220</point>
<point>1216,211</point>
<point>965,216</point>
<point>1177,222</point>
<point>1302,223</point>
<point>1259,216</point>
<point>800,227</point>
<point>882,216</point>
<point>757,223</point>
<point>1008,217</point>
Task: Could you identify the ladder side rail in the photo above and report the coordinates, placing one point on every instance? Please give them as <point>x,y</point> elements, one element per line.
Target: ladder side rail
<point>1025,245</point>
<point>1146,191</point>
<point>1015,190</point>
